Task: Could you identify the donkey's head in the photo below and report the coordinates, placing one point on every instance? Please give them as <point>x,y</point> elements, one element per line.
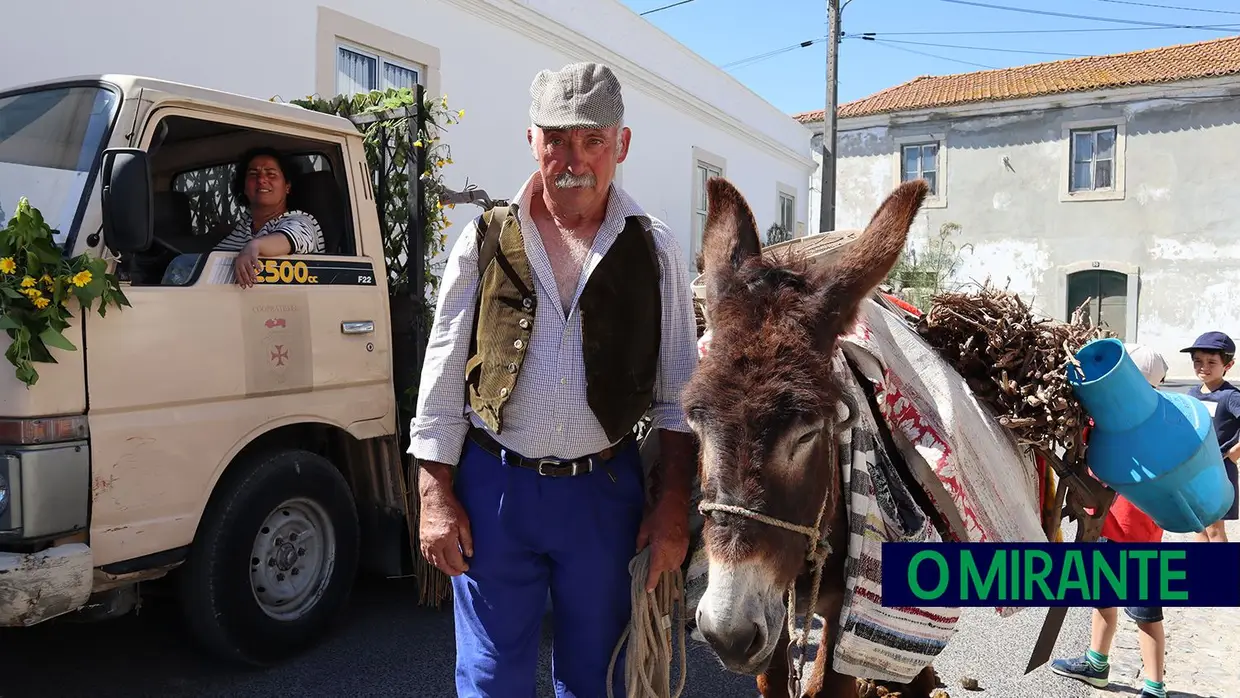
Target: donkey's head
<point>761,404</point>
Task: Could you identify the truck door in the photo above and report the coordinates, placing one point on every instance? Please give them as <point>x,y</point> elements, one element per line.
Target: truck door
<point>198,367</point>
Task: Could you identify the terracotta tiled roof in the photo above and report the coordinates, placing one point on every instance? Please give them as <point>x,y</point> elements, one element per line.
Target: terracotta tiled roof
<point>1205,59</point>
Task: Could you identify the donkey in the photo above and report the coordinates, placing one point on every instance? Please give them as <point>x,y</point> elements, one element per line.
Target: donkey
<point>763,405</point>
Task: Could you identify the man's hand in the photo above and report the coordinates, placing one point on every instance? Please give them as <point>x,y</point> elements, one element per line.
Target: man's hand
<point>443,524</point>
<point>1233,454</point>
<point>247,265</point>
<point>666,530</point>
<point>666,527</point>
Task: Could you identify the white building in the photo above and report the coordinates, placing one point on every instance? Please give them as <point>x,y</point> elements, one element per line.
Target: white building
<point>1105,178</point>
<point>688,117</point>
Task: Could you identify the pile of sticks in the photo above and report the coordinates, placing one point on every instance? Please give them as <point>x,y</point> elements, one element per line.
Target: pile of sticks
<point>1015,363</point>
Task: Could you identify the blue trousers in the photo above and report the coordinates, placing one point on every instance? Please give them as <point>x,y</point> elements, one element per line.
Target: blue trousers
<point>573,536</point>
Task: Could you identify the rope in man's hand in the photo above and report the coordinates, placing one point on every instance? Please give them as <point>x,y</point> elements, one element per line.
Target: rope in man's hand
<point>648,658</point>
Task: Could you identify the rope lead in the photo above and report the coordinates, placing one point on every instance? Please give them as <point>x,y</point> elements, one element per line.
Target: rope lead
<point>648,659</point>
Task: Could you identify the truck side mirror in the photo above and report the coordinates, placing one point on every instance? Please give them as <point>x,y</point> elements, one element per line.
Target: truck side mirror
<point>128,203</point>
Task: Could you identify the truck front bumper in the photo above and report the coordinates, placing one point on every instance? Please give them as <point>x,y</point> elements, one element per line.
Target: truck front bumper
<point>37,586</point>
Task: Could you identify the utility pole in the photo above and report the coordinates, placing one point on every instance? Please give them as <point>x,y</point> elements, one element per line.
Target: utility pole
<point>826,210</point>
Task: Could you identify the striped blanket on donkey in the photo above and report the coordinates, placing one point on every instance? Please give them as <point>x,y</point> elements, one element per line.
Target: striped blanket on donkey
<point>979,483</point>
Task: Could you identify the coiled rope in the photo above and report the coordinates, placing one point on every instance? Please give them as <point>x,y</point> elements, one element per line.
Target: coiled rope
<point>648,659</point>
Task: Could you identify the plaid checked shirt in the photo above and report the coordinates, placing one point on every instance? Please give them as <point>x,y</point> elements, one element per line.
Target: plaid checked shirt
<point>547,415</point>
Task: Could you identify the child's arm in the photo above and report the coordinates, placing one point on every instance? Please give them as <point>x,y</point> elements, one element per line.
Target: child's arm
<point>1233,408</point>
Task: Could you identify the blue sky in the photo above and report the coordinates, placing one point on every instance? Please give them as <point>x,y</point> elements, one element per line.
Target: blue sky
<point>728,31</point>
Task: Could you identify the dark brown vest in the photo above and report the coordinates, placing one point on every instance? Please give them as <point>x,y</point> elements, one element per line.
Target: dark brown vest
<point>621,313</point>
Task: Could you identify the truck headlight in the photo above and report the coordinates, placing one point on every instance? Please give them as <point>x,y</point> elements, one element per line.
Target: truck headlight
<point>4,494</point>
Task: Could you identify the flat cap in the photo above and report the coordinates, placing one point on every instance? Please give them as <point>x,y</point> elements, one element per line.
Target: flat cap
<point>579,95</point>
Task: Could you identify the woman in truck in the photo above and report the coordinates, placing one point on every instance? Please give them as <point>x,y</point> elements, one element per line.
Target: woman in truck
<point>262,182</point>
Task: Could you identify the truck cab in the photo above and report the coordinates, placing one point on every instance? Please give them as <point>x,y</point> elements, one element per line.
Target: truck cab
<point>241,443</point>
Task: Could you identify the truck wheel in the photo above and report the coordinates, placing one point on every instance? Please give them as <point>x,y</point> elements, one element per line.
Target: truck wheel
<point>274,560</point>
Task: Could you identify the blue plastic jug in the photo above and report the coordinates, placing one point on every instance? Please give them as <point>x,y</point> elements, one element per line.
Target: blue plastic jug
<point>1158,449</point>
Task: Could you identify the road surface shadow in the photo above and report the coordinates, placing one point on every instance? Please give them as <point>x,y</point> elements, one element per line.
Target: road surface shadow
<point>387,646</point>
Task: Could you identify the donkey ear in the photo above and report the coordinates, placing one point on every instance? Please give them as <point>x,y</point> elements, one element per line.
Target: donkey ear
<point>864,265</point>
<point>730,235</point>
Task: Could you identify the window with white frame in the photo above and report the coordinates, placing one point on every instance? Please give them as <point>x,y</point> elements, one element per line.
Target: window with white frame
<point>920,161</point>
<point>788,212</point>
<point>1093,159</point>
<point>358,70</point>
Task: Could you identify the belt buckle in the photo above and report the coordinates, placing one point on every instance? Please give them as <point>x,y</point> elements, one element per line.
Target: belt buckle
<point>576,467</point>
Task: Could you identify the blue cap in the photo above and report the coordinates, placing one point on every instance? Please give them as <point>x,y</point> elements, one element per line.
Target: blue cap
<point>1213,341</point>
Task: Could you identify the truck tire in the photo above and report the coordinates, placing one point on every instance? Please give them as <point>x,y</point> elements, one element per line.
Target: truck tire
<point>274,560</point>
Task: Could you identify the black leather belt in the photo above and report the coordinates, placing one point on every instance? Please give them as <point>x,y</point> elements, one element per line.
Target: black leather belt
<point>550,467</point>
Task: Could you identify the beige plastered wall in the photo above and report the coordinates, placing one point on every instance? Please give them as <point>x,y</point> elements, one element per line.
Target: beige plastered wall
<point>336,26</point>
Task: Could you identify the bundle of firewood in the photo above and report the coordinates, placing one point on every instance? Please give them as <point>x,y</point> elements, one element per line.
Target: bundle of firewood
<point>1015,363</point>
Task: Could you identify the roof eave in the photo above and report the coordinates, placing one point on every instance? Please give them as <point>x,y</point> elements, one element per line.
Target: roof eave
<point>1198,87</point>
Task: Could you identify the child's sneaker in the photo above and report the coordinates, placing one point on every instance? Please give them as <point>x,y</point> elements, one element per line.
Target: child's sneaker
<point>1080,669</point>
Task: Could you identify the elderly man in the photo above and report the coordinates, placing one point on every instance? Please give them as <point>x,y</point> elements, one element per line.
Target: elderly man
<point>562,321</point>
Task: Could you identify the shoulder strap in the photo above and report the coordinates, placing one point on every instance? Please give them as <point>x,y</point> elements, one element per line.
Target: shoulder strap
<point>488,235</point>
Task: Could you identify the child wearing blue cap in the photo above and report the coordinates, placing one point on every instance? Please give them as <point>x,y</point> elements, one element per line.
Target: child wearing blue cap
<point>1213,355</point>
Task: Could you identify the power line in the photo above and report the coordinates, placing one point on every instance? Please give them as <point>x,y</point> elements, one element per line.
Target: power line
<point>1070,16</point>
<point>771,54</point>
<point>1172,7</point>
<point>665,7</point>
<point>932,55</point>
<point>1229,27</point>
<point>978,48</point>
<point>872,36</point>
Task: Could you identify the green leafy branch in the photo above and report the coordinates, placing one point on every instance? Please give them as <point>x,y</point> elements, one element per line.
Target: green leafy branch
<point>37,284</point>
<point>921,277</point>
<point>389,149</point>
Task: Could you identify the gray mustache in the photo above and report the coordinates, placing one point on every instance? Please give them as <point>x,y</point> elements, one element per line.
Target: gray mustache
<point>568,180</point>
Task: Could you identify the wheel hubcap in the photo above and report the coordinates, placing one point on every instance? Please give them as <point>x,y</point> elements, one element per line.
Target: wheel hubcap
<point>292,559</point>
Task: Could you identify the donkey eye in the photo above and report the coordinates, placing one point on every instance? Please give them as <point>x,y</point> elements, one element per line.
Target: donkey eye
<point>807,437</point>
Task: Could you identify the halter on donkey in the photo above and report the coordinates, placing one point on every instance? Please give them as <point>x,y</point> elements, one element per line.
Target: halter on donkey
<point>765,404</point>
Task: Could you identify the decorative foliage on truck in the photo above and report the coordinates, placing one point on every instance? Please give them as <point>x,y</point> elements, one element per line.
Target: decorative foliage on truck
<point>390,146</point>
<point>37,283</point>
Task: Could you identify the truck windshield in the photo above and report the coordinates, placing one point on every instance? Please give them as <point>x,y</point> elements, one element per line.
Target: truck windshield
<point>49,140</point>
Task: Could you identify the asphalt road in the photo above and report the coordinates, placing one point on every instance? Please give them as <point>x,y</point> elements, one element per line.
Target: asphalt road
<point>391,647</point>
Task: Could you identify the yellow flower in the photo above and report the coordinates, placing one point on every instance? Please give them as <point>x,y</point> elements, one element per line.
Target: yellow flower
<point>41,302</point>
<point>417,143</point>
<point>81,278</point>
<point>33,293</point>
<point>444,101</point>
<point>7,265</point>
<point>28,282</point>
<point>47,280</point>
<point>449,161</point>
<point>461,114</point>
